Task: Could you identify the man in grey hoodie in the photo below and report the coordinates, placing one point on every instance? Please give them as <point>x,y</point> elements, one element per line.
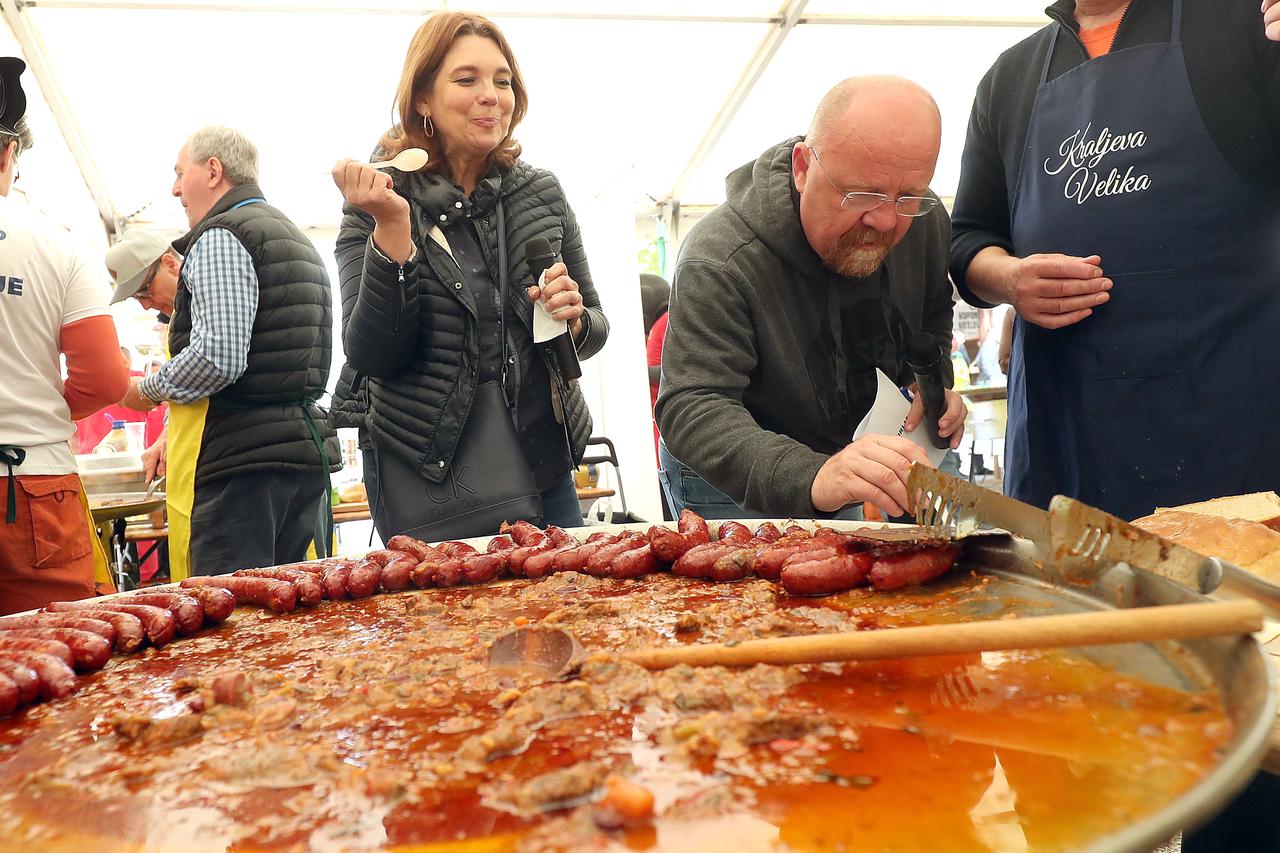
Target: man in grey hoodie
<point>786,299</point>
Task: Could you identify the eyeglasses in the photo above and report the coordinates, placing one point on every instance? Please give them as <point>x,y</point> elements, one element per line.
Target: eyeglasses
<point>144,292</point>
<point>906,205</point>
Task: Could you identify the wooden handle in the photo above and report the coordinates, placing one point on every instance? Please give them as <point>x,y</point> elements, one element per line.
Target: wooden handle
<point>1105,627</point>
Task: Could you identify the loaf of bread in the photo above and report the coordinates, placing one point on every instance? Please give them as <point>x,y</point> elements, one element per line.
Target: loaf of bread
<point>1248,544</point>
<point>353,493</point>
<point>1262,507</point>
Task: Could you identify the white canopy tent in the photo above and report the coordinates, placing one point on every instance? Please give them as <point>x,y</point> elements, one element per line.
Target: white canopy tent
<point>640,108</point>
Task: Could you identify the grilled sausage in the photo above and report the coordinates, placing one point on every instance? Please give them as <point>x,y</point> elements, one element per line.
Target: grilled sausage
<point>60,620</point>
<point>11,644</point>
<point>734,566</point>
<point>188,614</point>
<point>9,695</point>
<point>598,563</point>
<point>334,581</point>
<point>575,559</point>
<point>560,536</point>
<point>482,568</point>
<point>699,561</point>
<point>524,533</point>
<point>449,572</point>
<point>543,563</point>
<point>634,563</point>
<point>733,531</point>
<point>216,603</point>
<point>805,574</point>
<point>89,651</point>
<point>56,676</point>
<point>363,579</point>
<point>500,543</point>
<point>310,590</point>
<point>768,562</point>
<point>903,564</point>
<point>409,545</point>
<point>670,544</point>
<point>129,631</point>
<point>395,574</point>
<point>457,550</point>
<point>156,622</point>
<point>767,533</point>
<point>24,678</point>
<point>280,596</point>
<point>521,554</point>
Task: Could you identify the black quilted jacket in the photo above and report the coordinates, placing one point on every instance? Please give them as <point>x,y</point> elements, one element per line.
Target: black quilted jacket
<point>411,335</point>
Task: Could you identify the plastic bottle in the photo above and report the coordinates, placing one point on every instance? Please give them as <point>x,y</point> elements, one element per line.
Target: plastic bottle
<point>960,371</point>
<point>117,440</point>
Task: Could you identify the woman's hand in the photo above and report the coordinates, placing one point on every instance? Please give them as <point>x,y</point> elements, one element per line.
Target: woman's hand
<point>561,296</point>
<point>372,191</point>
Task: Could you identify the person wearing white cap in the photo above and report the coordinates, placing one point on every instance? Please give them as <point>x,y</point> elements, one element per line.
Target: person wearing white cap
<point>52,304</point>
<point>145,266</point>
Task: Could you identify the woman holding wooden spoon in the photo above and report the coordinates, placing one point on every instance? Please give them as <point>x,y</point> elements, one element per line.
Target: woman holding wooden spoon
<point>439,302</point>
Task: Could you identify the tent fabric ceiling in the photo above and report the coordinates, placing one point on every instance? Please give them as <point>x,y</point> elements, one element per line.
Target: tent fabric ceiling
<point>622,94</point>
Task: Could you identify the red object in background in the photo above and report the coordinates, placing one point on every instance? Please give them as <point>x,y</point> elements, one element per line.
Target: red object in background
<point>653,356</point>
<point>91,430</point>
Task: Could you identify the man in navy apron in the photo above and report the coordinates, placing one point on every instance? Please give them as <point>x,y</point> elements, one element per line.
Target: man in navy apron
<point>1128,205</point>
<point>1121,188</point>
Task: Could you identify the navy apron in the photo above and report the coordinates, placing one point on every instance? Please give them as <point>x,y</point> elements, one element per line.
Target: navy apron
<point>1166,393</point>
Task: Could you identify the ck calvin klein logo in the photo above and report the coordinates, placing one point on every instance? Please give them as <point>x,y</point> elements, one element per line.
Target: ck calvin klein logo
<point>453,489</point>
<point>1083,152</point>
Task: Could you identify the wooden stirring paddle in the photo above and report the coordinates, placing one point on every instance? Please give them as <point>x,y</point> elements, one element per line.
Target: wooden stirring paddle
<point>1104,627</point>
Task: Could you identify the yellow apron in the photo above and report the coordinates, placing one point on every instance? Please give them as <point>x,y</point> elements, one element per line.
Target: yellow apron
<point>102,580</point>
<point>186,434</point>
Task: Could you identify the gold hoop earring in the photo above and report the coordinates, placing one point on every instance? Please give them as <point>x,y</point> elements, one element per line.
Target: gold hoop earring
<point>428,126</point>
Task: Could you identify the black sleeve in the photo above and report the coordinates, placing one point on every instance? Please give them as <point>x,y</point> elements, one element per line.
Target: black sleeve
<point>980,216</point>
<point>380,302</point>
<point>575,260</point>
<point>939,307</point>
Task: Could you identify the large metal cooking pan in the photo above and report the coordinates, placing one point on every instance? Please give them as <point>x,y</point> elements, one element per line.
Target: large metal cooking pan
<point>1027,584</point>
<point>1021,582</point>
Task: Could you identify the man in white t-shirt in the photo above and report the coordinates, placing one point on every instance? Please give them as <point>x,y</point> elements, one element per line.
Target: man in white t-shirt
<point>53,303</point>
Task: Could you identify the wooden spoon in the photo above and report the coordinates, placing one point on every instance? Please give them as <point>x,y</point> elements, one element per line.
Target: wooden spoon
<point>1103,627</point>
<point>408,160</point>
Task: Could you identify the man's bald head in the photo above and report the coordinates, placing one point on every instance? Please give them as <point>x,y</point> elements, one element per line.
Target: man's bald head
<point>870,135</point>
<point>882,102</point>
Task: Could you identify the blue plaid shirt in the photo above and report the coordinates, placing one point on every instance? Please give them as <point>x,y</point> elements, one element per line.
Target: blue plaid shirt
<point>218,272</point>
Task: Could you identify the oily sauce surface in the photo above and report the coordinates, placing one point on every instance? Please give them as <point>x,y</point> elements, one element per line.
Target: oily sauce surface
<point>377,724</point>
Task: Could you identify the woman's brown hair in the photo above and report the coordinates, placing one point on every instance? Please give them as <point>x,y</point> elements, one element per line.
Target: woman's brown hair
<point>422,63</point>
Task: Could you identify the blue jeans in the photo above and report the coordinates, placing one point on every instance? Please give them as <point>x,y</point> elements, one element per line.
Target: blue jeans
<point>685,489</point>
<point>560,504</point>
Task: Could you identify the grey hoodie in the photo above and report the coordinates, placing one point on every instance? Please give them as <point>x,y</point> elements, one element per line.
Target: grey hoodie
<point>769,360</point>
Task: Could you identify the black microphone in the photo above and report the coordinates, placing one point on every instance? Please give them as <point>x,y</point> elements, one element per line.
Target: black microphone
<point>926,360</point>
<point>537,251</point>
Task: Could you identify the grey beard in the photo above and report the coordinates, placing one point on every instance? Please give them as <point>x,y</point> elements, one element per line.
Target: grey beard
<point>851,258</point>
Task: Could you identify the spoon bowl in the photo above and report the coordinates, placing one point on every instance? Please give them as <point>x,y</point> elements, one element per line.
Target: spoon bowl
<point>408,160</point>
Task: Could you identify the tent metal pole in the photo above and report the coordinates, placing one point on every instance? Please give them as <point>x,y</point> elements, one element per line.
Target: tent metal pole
<point>28,38</point>
<point>741,90</point>
<point>342,8</point>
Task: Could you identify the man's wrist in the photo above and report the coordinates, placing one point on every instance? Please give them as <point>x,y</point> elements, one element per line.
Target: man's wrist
<point>153,396</point>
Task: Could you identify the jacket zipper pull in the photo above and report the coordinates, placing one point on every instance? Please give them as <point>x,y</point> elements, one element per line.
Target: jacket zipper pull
<point>395,321</point>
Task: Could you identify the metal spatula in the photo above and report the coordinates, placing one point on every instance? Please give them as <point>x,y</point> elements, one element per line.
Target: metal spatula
<point>151,489</point>
<point>947,506</point>
<point>1092,539</point>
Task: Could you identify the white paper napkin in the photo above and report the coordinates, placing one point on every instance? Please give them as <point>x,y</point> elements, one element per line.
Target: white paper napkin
<point>545,326</point>
<point>888,415</point>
